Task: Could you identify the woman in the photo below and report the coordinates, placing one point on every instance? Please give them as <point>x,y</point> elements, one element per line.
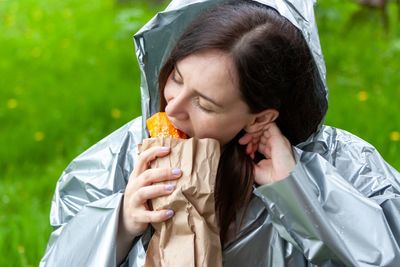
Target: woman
<point>243,74</point>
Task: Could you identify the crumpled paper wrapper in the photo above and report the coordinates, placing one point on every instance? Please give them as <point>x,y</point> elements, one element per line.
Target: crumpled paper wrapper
<point>191,236</point>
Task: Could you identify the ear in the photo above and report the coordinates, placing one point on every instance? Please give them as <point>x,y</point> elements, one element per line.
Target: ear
<point>259,120</point>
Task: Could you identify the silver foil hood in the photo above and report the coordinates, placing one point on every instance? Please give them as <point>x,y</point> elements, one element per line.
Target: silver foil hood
<point>156,39</point>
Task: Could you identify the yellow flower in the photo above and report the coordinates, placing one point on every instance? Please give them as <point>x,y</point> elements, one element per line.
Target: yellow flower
<point>116,113</point>
<point>395,136</point>
<point>39,136</point>
<point>12,103</point>
<point>362,96</point>
<point>21,249</point>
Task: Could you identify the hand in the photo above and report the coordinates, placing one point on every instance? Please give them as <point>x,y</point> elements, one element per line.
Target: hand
<point>277,150</point>
<point>144,185</point>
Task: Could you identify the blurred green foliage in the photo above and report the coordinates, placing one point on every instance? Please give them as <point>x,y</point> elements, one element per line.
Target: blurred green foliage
<point>68,77</point>
<point>363,72</point>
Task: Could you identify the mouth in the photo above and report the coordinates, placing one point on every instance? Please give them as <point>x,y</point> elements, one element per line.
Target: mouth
<point>179,128</point>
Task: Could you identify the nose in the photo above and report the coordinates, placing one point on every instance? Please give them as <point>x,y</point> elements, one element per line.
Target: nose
<point>177,107</point>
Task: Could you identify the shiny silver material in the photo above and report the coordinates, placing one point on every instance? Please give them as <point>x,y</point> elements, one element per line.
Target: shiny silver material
<point>339,207</point>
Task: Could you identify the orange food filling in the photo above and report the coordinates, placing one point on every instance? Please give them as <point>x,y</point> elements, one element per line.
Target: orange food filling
<point>159,125</point>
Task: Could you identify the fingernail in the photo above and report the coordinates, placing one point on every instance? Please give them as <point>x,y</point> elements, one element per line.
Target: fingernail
<point>176,171</point>
<point>169,187</point>
<point>164,149</point>
<point>170,213</point>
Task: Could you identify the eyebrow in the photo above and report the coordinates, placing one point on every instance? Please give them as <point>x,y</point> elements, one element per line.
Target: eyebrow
<point>199,93</point>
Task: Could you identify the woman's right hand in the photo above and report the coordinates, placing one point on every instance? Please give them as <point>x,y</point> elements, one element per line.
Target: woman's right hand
<point>144,185</point>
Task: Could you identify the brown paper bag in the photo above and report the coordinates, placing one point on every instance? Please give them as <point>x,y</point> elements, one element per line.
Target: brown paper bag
<point>191,236</point>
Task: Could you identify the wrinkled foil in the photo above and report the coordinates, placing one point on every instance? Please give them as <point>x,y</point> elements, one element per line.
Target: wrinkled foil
<point>340,206</point>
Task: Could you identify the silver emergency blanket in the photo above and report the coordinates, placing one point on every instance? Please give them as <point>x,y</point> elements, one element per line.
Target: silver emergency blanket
<point>340,206</point>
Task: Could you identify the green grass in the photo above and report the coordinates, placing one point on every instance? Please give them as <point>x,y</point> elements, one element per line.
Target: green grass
<point>68,77</point>
<point>363,73</point>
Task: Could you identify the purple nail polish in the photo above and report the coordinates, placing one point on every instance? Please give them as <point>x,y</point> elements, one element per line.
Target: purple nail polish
<point>169,187</point>
<point>170,213</point>
<point>176,171</point>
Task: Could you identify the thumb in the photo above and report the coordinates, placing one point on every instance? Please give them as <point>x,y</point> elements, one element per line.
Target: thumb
<point>262,171</point>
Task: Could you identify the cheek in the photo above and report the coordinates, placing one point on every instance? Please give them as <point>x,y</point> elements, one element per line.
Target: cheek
<point>220,129</point>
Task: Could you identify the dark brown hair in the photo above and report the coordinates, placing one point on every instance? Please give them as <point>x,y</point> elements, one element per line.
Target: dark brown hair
<point>275,70</point>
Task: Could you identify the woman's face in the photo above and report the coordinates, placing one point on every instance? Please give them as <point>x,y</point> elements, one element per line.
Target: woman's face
<point>203,99</point>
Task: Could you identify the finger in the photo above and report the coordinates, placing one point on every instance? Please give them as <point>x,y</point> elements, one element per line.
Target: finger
<point>264,139</point>
<point>257,135</point>
<point>151,176</point>
<point>273,129</point>
<point>156,216</point>
<point>274,136</point>
<point>265,150</point>
<point>245,139</point>
<point>153,191</point>
<point>254,147</point>
<point>266,133</point>
<point>261,148</point>
<point>262,171</point>
<point>249,148</point>
<point>147,156</point>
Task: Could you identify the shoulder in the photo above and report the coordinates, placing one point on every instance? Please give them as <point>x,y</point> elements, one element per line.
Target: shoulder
<point>356,160</point>
<point>330,142</point>
<point>129,133</point>
<point>99,172</point>
<point>112,158</point>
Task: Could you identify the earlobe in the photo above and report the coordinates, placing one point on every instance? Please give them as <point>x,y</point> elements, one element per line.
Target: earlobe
<point>261,119</point>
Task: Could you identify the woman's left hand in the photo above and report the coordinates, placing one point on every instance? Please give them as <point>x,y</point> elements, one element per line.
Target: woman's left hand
<point>277,150</point>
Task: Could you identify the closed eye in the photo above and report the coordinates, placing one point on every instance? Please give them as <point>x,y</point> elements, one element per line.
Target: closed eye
<point>196,102</point>
<point>175,78</point>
